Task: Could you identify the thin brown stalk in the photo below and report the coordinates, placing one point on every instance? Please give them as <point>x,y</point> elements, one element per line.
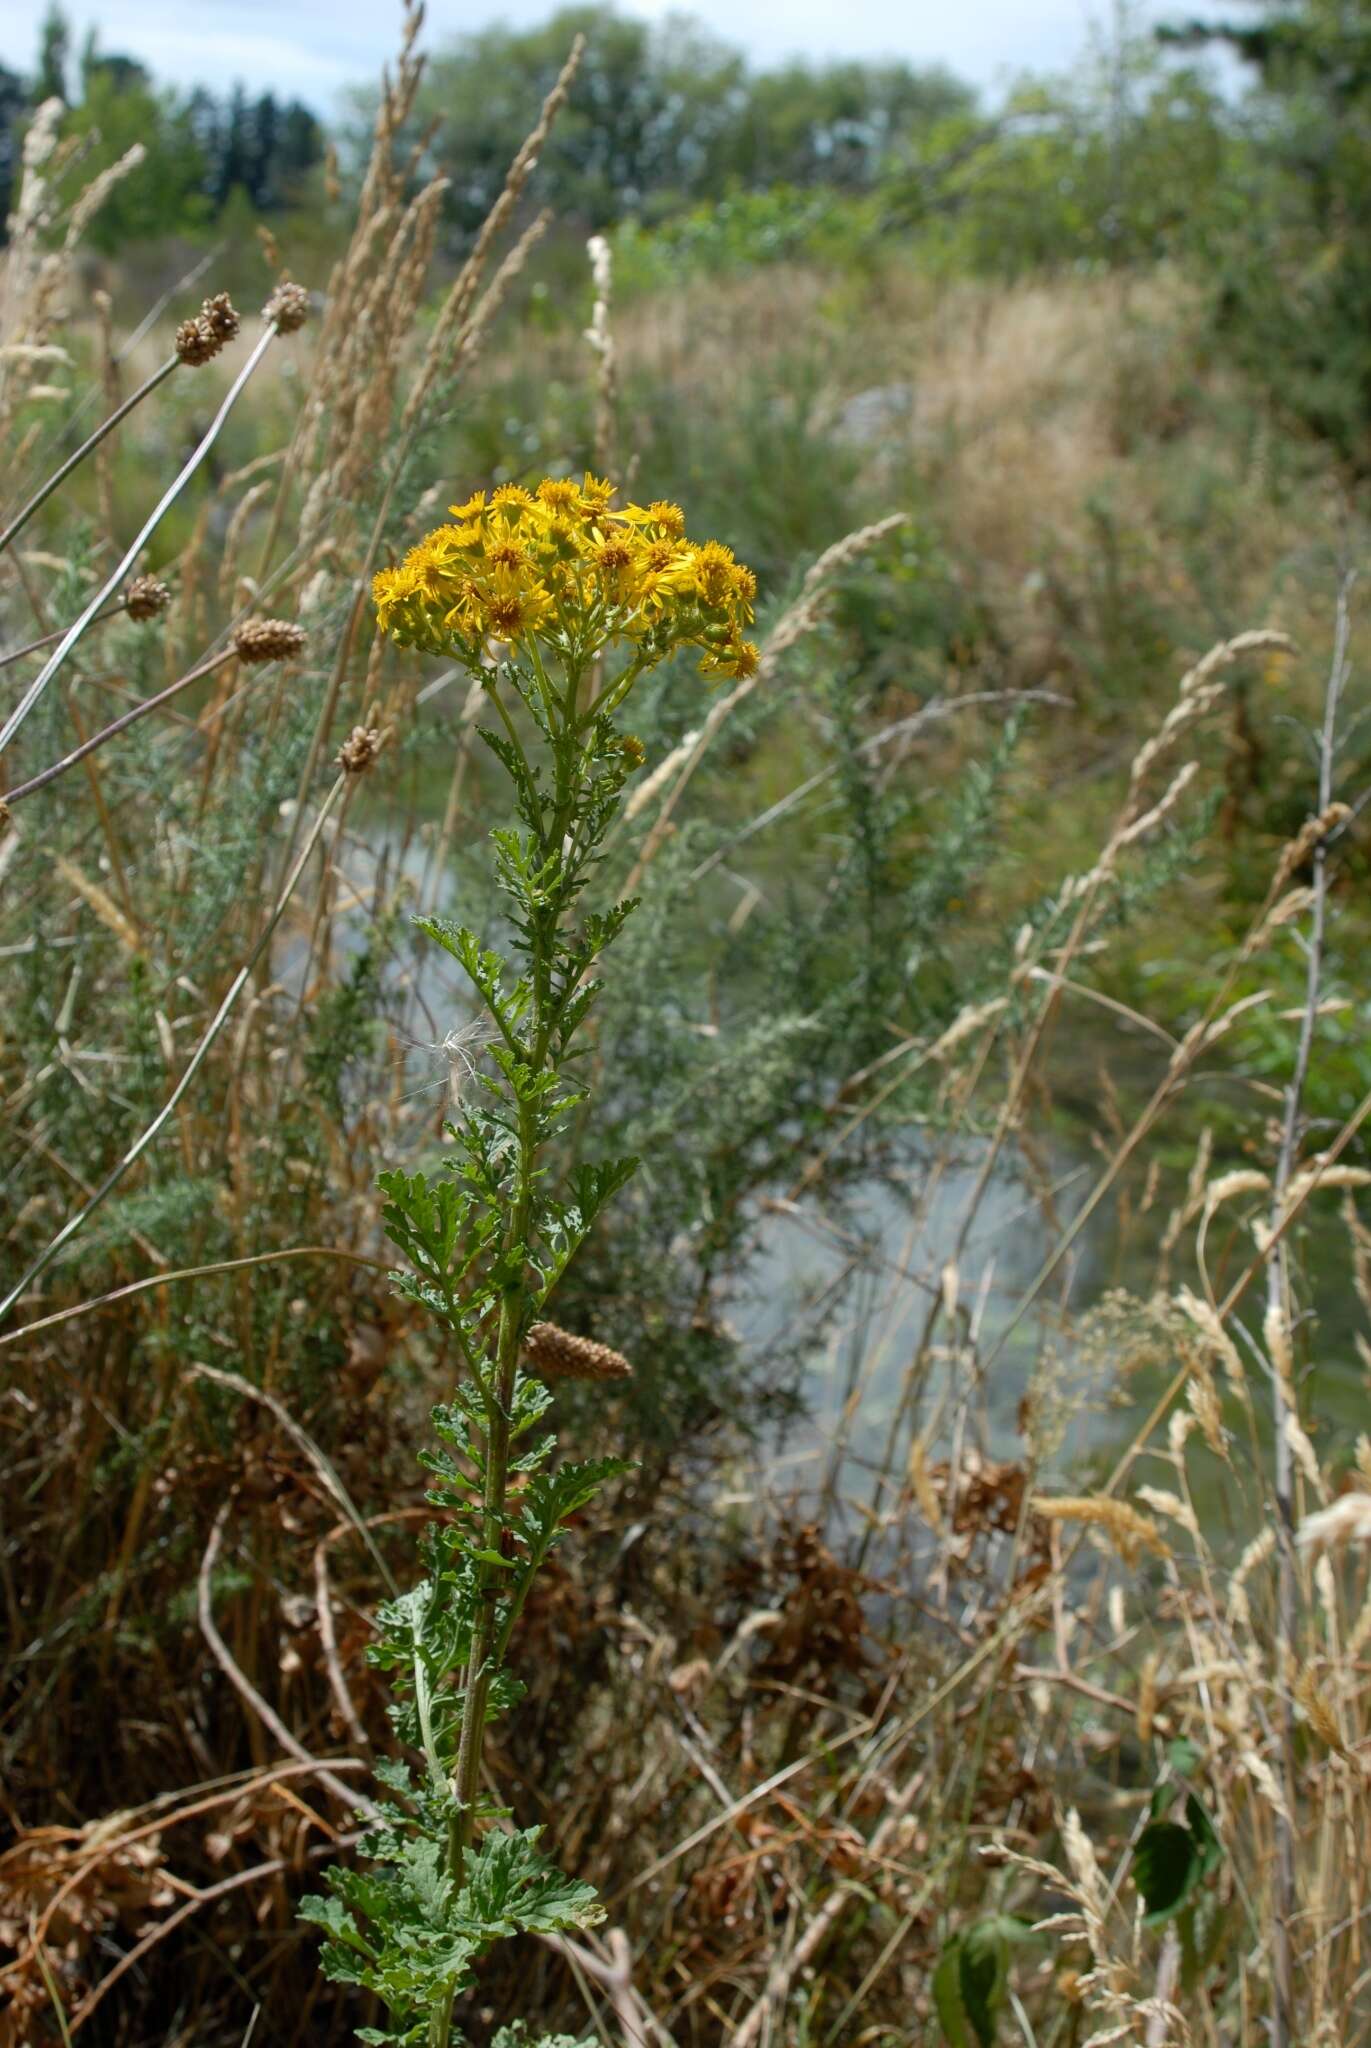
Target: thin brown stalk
<point>135,1152</point>
<point>46,639</point>
<point>131,554</point>
<point>87,1308</point>
<point>356,1802</point>
<point>88,446</point>
<point>1282,1391</point>
<point>118,725</point>
<point>167,1815</point>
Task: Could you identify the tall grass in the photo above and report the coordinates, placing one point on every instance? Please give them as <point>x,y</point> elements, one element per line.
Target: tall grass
<point>1022,1693</point>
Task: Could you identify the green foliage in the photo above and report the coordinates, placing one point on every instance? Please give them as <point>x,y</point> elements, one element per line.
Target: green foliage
<point>662,115</point>
<point>1290,258</point>
<point>1171,1859</point>
<point>197,150</point>
<point>972,1978</point>
<point>741,230</point>
<point>1116,165</point>
<point>488,1238</point>
<point>424,1932</point>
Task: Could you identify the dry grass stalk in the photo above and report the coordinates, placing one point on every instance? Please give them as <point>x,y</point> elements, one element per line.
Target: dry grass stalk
<point>600,336</point>
<point>460,299</point>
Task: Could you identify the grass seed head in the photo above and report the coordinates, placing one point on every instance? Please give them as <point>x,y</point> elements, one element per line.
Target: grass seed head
<point>145,598</point>
<point>557,1354</point>
<point>288,307</point>
<point>197,342</point>
<point>268,640</point>
<point>359,750</point>
<point>220,316</point>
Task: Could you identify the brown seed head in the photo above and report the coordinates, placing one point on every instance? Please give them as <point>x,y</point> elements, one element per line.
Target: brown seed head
<point>556,1354</point>
<point>268,640</point>
<point>288,307</point>
<point>197,342</point>
<point>220,316</point>
<point>359,750</point>
<point>145,598</point>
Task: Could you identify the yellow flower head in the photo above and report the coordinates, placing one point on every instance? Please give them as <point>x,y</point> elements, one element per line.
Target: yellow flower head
<point>505,547</point>
<point>612,556</point>
<point>714,574</point>
<point>563,567</point>
<point>559,494</point>
<point>597,495</point>
<point>514,608</point>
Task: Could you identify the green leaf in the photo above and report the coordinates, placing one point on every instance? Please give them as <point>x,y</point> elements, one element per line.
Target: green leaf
<point>947,1996</point>
<point>1171,1859</point>
<point>972,1978</point>
<point>1166,1869</point>
<point>1207,1844</point>
<point>334,1918</point>
<point>518,2036</point>
<point>511,1888</point>
<point>1182,1756</point>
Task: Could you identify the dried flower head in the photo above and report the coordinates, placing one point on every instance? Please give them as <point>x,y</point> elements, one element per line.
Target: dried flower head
<point>197,342</point>
<point>359,750</point>
<point>560,571</point>
<point>220,316</point>
<point>288,307</point>
<point>557,1354</point>
<point>268,640</point>
<point>145,597</point>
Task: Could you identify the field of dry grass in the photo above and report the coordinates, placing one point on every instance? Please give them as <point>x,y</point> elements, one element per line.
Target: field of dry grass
<point>1006,1095</point>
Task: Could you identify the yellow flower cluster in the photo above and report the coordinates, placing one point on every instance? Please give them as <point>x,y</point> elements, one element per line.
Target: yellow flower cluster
<point>561,566</point>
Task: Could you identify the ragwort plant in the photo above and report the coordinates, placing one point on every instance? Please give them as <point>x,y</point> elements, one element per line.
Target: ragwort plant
<point>579,600</point>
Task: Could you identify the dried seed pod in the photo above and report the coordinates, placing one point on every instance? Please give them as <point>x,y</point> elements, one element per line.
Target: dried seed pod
<point>268,640</point>
<point>288,307</point>
<point>145,597</point>
<point>359,750</point>
<point>557,1354</point>
<point>220,316</point>
<point>197,342</point>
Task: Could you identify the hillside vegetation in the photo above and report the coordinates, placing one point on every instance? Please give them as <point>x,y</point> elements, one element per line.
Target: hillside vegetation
<point>747,687</point>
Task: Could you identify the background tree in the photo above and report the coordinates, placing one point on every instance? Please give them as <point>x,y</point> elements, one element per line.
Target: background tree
<point>1293,278</point>
<point>54,48</point>
<point>664,115</point>
<point>13,101</point>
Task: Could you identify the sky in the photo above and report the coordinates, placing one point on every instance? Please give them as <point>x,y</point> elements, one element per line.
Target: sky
<point>313,48</point>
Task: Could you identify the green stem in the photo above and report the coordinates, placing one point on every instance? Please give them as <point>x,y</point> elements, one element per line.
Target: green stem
<point>490,1636</point>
